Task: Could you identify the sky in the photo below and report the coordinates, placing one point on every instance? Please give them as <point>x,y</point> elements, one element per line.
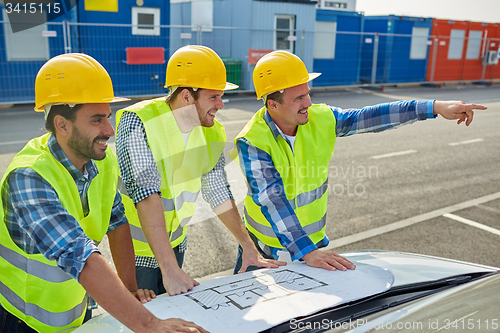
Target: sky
<point>463,10</point>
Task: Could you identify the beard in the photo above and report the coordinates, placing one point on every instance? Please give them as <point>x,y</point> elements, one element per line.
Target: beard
<point>205,119</point>
<point>84,148</point>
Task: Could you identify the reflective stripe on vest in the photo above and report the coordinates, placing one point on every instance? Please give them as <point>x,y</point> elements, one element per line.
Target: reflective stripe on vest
<point>34,267</point>
<point>52,319</point>
<point>185,196</point>
<point>168,204</point>
<point>180,174</point>
<point>268,231</point>
<point>306,194</point>
<point>305,199</point>
<point>33,288</point>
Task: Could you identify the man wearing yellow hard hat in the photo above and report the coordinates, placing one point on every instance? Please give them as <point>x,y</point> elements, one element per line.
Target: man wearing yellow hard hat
<point>59,199</point>
<point>169,149</point>
<point>285,212</point>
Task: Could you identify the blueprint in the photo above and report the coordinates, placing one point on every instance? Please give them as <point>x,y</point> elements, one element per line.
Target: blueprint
<point>258,300</point>
<point>247,292</point>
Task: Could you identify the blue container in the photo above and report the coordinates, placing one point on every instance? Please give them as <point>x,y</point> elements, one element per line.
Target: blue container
<point>343,69</point>
<point>107,44</point>
<point>396,61</point>
<point>17,76</point>
<point>103,35</point>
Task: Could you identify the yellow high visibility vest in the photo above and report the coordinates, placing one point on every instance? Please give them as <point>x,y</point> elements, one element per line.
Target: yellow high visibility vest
<point>33,288</point>
<point>304,172</point>
<point>180,168</point>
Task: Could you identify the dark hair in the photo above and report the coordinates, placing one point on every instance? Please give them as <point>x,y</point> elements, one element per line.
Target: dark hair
<point>64,110</point>
<point>276,96</point>
<point>177,91</point>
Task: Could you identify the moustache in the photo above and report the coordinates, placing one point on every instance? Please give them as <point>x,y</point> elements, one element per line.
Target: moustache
<point>101,138</point>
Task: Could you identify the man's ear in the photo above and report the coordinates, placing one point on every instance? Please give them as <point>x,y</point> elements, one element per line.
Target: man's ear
<point>186,97</point>
<point>273,105</point>
<point>62,125</point>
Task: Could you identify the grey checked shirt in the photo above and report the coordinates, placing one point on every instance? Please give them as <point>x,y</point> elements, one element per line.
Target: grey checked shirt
<point>142,179</point>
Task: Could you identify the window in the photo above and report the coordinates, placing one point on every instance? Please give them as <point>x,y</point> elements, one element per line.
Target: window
<point>285,33</point>
<point>145,21</point>
<point>333,4</point>
<point>456,47</point>
<point>324,40</point>
<point>202,15</point>
<point>474,44</point>
<point>29,44</point>
<point>418,48</point>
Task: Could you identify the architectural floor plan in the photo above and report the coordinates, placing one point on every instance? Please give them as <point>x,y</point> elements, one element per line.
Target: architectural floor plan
<point>247,292</point>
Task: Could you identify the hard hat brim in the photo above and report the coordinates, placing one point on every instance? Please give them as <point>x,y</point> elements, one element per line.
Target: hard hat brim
<point>114,100</point>
<point>311,77</point>
<point>119,99</point>
<point>231,86</point>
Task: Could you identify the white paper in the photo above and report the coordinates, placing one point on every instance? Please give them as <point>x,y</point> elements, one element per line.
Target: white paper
<point>258,300</point>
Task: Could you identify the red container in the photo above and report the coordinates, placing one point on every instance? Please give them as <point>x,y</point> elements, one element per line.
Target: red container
<point>477,50</point>
<point>493,72</point>
<point>447,64</point>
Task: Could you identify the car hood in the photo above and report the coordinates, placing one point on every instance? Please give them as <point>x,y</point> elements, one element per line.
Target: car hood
<point>409,268</point>
<point>472,306</point>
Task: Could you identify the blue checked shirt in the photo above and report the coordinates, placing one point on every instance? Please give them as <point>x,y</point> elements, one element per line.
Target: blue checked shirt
<point>141,177</point>
<point>267,191</point>
<point>37,221</point>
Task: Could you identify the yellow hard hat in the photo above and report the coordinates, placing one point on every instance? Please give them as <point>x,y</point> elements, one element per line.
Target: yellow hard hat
<point>279,70</point>
<point>198,67</point>
<point>73,78</point>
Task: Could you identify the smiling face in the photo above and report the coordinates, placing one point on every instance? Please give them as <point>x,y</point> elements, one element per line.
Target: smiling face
<point>207,105</point>
<point>292,111</point>
<point>89,133</point>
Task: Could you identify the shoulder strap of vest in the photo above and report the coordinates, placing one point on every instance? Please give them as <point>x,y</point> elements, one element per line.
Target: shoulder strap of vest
<point>146,110</point>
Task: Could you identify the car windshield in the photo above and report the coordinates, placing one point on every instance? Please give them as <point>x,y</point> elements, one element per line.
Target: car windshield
<point>327,319</point>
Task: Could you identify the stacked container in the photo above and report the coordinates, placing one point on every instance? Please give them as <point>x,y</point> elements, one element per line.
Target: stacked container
<point>337,47</point>
<point>461,51</point>
<point>399,47</point>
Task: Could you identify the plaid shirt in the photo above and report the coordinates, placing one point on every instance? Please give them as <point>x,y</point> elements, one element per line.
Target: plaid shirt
<point>37,221</point>
<point>258,167</point>
<point>142,179</point>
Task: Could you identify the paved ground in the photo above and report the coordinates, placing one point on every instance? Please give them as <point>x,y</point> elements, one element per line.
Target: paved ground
<point>431,187</point>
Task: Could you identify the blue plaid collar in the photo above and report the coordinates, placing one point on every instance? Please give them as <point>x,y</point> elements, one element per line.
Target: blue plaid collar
<point>272,126</point>
<point>59,154</point>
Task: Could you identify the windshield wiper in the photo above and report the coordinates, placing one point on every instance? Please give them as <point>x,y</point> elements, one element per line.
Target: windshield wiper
<point>366,306</point>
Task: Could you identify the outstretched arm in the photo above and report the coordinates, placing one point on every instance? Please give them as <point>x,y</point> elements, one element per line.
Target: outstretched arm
<point>452,110</point>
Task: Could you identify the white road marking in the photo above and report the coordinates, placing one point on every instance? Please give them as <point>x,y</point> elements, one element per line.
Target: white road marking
<point>409,221</point>
<point>472,223</point>
<point>399,153</point>
<point>13,142</point>
<point>397,97</point>
<point>465,142</point>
